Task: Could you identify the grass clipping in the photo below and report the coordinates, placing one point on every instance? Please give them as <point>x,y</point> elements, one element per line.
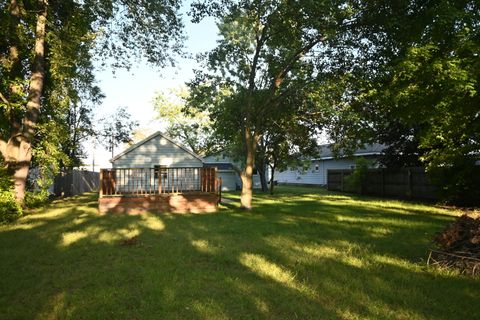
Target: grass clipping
<point>459,246</point>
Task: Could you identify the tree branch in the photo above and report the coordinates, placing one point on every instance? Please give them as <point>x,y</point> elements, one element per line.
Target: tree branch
<point>296,56</point>
<point>2,97</point>
<point>258,47</point>
<point>3,148</point>
<point>280,77</point>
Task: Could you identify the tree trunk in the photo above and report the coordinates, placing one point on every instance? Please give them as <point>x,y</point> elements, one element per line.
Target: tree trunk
<point>261,166</point>
<point>272,184</point>
<point>260,163</point>
<point>247,175</point>
<point>18,150</point>
<point>263,177</point>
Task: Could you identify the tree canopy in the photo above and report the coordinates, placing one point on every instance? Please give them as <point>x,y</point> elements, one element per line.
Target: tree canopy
<point>47,50</point>
<point>402,73</point>
<point>413,84</point>
<point>268,52</point>
<point>116,128</point>
<point>192,127</point>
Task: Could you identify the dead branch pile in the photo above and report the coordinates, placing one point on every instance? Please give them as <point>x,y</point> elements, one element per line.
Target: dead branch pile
<point>459,246</point>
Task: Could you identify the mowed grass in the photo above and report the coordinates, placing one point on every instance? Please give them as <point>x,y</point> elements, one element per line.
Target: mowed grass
<point>300,254</point>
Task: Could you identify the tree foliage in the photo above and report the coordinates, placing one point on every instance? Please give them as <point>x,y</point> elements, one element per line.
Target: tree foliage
<point>412,83</point>
<point>190,126</point>
<point>116,128</point>
<point>47,86</point>
<point>268,52</point>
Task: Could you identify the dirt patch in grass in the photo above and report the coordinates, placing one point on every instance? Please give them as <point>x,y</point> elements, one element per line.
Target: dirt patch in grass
<point>459,246</point>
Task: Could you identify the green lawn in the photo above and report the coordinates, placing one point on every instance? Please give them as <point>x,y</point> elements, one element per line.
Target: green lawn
<point>301,254</point>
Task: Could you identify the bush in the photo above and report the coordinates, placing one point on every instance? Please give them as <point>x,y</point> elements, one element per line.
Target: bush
<point>36,199</point>
<point>10,210</point>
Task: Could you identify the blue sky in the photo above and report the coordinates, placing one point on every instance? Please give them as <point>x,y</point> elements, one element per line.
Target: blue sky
<point>135,89</point>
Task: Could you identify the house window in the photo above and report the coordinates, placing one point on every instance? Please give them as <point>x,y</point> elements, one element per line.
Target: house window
<point>160,169</point>
<point>255,171</point>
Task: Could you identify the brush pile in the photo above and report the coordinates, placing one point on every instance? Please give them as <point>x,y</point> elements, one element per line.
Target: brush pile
<point>459,246</point>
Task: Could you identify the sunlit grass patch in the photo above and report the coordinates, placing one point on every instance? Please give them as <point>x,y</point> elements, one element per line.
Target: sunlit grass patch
<point>299,254</point>
<point>264,268</point>
<point>72,237</point>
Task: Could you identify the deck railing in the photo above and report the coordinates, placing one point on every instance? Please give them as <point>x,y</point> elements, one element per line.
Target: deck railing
<point>150,181</point>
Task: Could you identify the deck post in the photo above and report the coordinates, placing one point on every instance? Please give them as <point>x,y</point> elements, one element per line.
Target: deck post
<point>159,172</point>
<point>114,181</point>
<point>219,191</point>
<point>101,184</point>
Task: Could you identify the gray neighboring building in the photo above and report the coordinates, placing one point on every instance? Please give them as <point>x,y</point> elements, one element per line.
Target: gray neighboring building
<point>316,174</point>
<point>230,179</point>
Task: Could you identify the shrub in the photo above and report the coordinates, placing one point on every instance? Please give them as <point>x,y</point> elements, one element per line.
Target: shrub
<point>10,210</point>
<point>36,199</point>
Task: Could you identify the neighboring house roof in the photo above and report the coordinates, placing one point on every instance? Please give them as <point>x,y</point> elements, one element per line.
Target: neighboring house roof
<point>218,156</point>
<point>156,134</point>
<point>369,150</point>
<point>219,165</point>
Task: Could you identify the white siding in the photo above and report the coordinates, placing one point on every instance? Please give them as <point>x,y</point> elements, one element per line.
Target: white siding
<point>230,180</point>
<point>157,151</point>
<point>312,175</point>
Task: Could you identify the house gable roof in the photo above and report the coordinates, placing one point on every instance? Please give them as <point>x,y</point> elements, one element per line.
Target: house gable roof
<point>147,139</point>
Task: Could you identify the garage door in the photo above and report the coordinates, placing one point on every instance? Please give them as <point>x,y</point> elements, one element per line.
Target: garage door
<point>230,180</point>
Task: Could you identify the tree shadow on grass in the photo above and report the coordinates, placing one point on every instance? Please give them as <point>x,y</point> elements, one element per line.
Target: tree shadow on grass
<point>306,260</point>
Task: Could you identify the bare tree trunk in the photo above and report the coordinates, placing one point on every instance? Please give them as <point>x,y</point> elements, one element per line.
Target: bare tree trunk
<point>18,149</point>
<point>272,184</point>
<point>260,163</point>
<point>246,197</point>
<point>263,178</point>
<point>261,166</point>
<point>250,141</point>
<point>247,175</point>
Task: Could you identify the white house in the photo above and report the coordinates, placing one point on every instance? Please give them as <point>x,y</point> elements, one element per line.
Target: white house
<point>316,173</point>
<point>158,151</point>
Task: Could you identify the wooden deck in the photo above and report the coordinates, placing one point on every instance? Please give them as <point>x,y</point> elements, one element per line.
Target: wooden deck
<point>136,190</point>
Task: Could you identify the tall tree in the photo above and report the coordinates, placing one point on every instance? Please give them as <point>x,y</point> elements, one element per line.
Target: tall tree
<point>191,126</point>
<point>46,49</point>
<point>290,134</point>
<point>414,83</point>
<point>116,128</point>
<point>266,48</point>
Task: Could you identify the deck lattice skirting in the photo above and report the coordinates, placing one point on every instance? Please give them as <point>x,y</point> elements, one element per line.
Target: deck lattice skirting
<point>179,190</point>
